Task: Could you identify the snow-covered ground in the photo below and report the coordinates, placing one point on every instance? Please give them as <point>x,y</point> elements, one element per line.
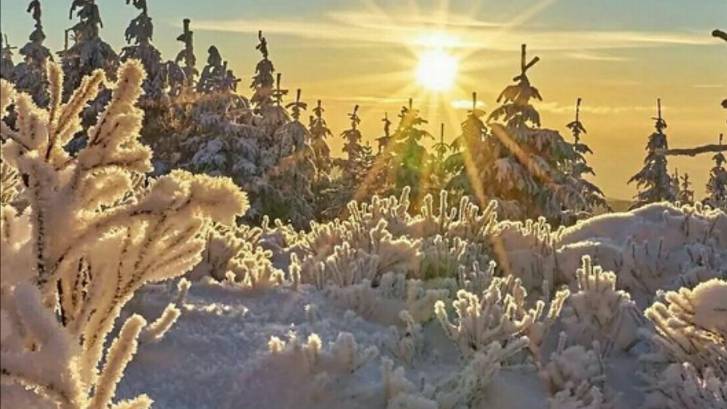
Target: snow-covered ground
<point>218,354</point>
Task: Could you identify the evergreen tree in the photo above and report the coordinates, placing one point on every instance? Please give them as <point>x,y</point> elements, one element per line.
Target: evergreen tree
<point>186,55</point>
<point>653,179</point>
<point>7,66</point>
<point>685,193</point>
<point>470,155</point>
<point>717,184</point>
<point>263,80</point>
<point>89,52</point>
<point>530,169</point>
<point>139,36</point>
<point>215,76</point>
<point>440,175</point>
<point>319,131</point>
<point>592,195</point>
<point>407,159</point>
<point>30,75</point>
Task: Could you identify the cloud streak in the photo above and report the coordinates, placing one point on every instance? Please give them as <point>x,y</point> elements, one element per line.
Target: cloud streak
<point>374,28</point>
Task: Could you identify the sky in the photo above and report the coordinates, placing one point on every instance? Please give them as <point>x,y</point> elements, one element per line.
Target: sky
<point>619,56</point>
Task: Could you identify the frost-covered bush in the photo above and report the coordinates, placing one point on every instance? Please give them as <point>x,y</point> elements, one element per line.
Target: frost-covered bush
<point>658,246</point>
<point>86,241</point>
<point>575,377</point>
<point>500,314</point>
<point>599,312</point>
<point>691,326</point>
<point>683,387</point>
<point>235,253</point>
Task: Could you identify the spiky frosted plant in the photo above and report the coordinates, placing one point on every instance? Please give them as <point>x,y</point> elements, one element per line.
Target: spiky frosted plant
<point>86,242</point>
<point>499,315</point>
<point>683,387</point>
<point>691,326</point>
<point>653,179</point>
<point>575,377</point>
<point>599,312</point>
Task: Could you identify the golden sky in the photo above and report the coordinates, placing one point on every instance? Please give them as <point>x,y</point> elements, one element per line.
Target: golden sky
<point>618,55</point>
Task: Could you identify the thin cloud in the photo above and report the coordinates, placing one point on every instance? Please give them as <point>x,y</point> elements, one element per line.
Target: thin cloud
<point>556,108</point>
<point>466,104</point>
<point>347,29</point>
<point>593,56</point>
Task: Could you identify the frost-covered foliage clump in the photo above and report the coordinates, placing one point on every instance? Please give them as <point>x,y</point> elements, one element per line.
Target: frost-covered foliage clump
<point>82,241</point>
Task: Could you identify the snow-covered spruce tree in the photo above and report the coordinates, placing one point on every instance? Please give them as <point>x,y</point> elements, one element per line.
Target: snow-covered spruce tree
<point>139,36</point>
<point>187,56</point>
<point>7,66</point>
<point>685,194</point>
<point>440,174</point>
<point>468,151</point>
<point>86,242</point>
<point>352,170</point>
<point>89,52</point>
<point>263,82</point>
<point>717,183</point>
<point>30,75</point>
<point>579,165</point>
<point>288,195</point>
<point>319,131</point>
<point>653,179</point>
<point>530,164</point>
<point>407,159</point>
<point>215,76</point>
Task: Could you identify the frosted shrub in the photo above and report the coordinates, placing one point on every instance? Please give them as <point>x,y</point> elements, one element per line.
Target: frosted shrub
<point>407,343</point>
<point>499,315</point>
<point>235,253</point>
<point>598,312</point>
<point>465,388</point>
<point>682,387</point>
<point>384,302</point>
<point>575,377</point>
<point>86,242</point>
<point>692,327</point>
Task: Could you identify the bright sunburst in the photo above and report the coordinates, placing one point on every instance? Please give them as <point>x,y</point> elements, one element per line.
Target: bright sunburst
<point>437,70</point>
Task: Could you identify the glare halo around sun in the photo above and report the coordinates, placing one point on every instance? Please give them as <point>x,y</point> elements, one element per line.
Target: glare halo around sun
<point>436,70</point>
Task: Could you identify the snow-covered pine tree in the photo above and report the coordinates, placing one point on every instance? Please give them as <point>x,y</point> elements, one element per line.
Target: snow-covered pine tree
<point>139,36</point>
<point>383,140</point>
<point>407,158</point>
<point>351,170</point>
<point>352,147</point>
<point>469,155</point>
<point>440,175</point>
<point>579,165</point>
<point>653,179</point>
<point>289,196</point>
<point>30,75</point>
<point>215,76</point>
<point>85,241</point>
<point>686,194</point>
<point>263,81</point>
<point>529,174</point>
<point>89,52</point>
<point>7,66</point>
<point>319,131</point>
<point>186,55</point>
<point>717,183</point>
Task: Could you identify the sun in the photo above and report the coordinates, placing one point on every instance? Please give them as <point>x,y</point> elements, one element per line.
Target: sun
<point>437,70</point>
